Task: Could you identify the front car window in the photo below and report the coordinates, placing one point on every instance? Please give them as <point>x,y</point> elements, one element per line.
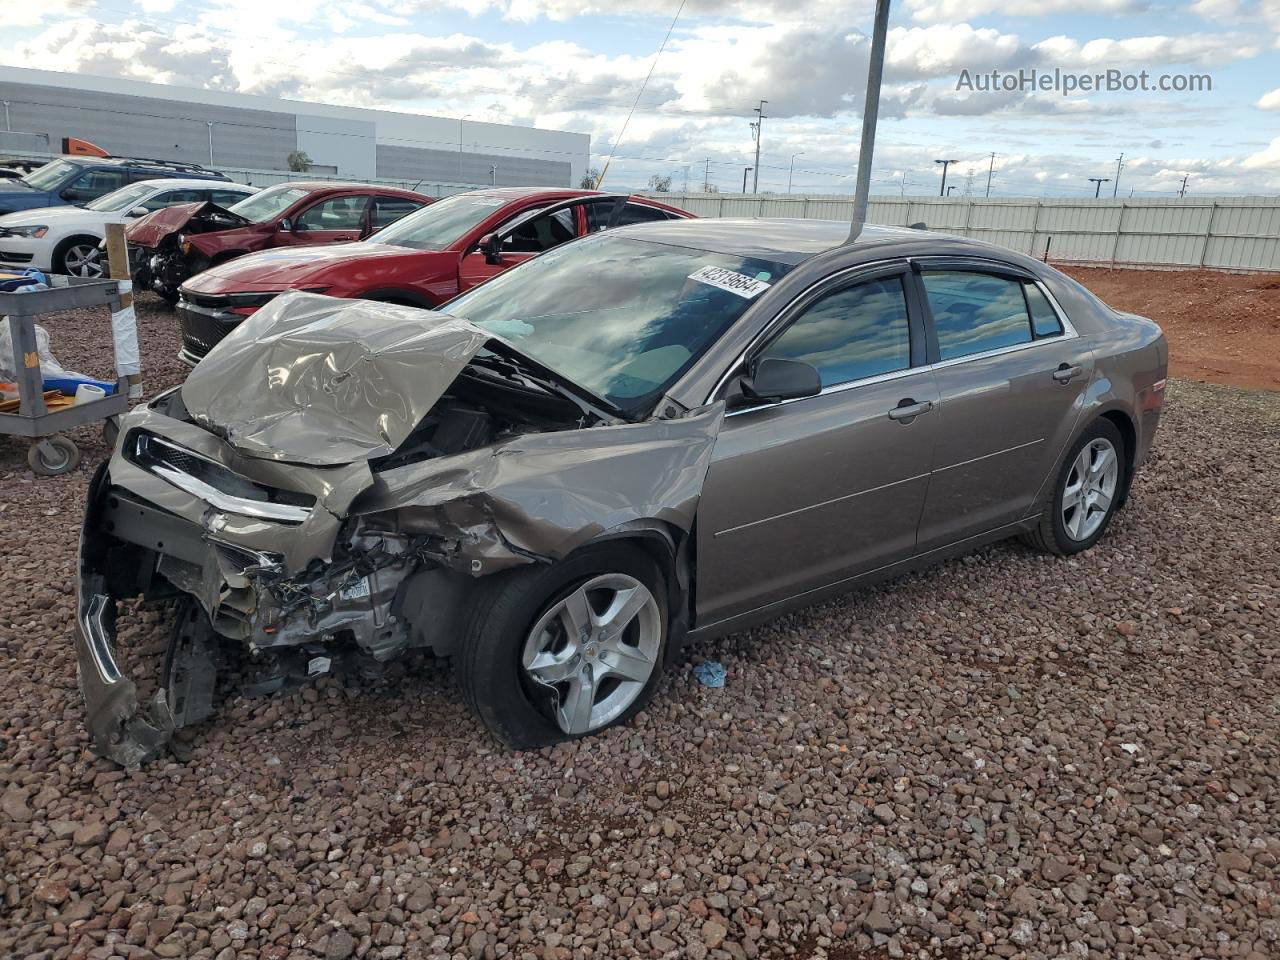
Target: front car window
<point>623,318</point>
<point>336,213</point>
<point>122,199</point>
<point>851,334</point>
<point>52,174</point>
<point>442,224</point>
<point>538,234</point>
<point>269,203</point>
<point>976,312</point>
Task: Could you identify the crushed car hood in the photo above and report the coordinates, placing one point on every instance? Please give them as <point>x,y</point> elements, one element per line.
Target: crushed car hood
<point>154,227</point>
<point>322,381</point>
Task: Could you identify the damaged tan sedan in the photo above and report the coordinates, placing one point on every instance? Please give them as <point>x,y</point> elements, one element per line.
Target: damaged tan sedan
<point>644,437</point>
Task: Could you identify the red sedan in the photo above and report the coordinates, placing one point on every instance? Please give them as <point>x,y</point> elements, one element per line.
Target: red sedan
<point>178,242</point>
<point>422,260</point>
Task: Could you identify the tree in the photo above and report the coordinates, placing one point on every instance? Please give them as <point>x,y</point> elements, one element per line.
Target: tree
<point>298,161</point>
<point>659,184</point>
<point>590,179</point>
<point>710,188</point>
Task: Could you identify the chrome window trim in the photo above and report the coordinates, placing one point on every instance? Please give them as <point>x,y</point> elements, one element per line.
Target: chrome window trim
<point>227,503</point>
<point>1069,332</point>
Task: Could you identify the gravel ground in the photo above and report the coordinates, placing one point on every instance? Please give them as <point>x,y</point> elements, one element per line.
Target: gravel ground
<point>1007,755</point>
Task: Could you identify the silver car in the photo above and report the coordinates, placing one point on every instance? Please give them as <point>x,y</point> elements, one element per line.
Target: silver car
<point>639,439</point>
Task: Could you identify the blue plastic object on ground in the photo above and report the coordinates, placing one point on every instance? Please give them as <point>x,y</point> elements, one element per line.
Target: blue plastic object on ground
<point>710,673</point>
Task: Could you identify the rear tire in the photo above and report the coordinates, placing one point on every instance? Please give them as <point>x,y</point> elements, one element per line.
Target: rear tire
<point>1086,493</point>
<point>515,642</point>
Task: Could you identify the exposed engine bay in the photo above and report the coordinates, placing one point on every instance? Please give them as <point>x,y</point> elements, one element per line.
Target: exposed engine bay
<point>169,257</point>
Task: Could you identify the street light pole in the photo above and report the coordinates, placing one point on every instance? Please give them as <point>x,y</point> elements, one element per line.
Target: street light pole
<point>990,170</point>
<point>745,171</point>
<point>210,124</point>
<point>1098,181</point>
<point>759,125</point>
<point>1115,188</point>
<point>6,116</point>
<point>791,172</point>
<point>870,114</point>
<point>942,190</point>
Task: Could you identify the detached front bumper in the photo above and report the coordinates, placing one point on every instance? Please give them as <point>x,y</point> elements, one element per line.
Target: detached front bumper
<point>118,726</point>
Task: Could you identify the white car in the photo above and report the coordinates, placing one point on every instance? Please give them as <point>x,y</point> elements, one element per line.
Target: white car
<point>66,239</point>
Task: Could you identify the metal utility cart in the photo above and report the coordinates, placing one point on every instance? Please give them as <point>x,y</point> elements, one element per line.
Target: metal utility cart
<point>52,454</point>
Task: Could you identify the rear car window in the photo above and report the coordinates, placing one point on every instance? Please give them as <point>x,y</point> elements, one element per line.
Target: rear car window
<point>387,210</point>
<point>976,312</point>
<point>1044,319</point>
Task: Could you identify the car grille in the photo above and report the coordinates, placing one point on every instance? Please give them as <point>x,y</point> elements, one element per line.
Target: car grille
<point>203,329</point>
<point>215,484</point>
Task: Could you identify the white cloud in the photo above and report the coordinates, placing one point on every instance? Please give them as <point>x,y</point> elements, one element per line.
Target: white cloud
<point>1200,49</point>
<point>47,11</point>
<point>955,11</point>
<point>1268,159</point>
<point>1269,101</point>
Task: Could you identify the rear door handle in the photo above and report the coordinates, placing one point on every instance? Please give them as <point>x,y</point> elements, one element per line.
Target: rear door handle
<point>1066,373</point>
<point>909,409</point>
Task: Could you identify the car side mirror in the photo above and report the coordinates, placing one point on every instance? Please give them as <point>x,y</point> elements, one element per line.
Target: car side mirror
<point>287,225</point>
<point>138,212</point>
<point>491,247</point>
<point>773,378</point>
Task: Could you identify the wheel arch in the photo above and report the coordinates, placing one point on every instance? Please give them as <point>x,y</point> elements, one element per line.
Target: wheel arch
<point>60,249</point>
<point>1128,430</point>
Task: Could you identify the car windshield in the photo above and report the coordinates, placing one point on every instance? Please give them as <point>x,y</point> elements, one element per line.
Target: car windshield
<point>123,198</point>
<point>442,223</point>
<point>623,318</point>
<point>50,175</point>
<point>270,203</point>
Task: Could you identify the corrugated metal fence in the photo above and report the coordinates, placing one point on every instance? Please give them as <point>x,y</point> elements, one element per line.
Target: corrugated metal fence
<point>1225,233</point>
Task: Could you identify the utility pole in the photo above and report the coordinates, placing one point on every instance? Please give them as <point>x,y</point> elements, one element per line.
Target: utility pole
<point>460,123</point>
<point>706,176</point>
<point>902,188</point>
<point>870,114</point>
<point>942,190</point>
<point>1182,191</point>
<point>950,188</point>
<point>792,171</point>
<point>1098,181</point>
<point>210,123</point>
<point>758,128</point>
<point>745,171</point>
<point>1115,188</point>
<point>493,175</point>
<point>6,116</point>
<point>990,170</point>
<point>686,178</point>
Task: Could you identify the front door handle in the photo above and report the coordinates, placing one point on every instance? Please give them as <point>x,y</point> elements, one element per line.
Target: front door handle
<point>1066,373</point>
<point>910,409</point>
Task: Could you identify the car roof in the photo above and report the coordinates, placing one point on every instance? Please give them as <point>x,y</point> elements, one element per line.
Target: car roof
<point>316,186</point>
<point>781,240</point>
<point>170,183</point>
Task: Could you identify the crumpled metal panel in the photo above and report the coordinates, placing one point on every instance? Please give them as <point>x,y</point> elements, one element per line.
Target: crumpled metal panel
<point>540,496</point>
<point>322,381</point>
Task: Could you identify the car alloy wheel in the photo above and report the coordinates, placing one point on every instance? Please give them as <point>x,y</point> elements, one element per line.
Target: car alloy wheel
<point>1090,489</point>
<point>83,260</point>
<point>596,649</point>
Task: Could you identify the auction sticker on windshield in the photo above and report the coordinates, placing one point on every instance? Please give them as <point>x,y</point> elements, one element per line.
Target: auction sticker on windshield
<point>726,279</point>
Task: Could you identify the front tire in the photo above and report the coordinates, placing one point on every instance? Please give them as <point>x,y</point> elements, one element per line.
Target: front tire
<point>80,257</point>
<point>557,652</point>
<point>1086,492</point>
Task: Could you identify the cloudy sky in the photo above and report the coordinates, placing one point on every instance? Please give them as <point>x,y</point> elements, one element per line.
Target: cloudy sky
<point>579,64</point>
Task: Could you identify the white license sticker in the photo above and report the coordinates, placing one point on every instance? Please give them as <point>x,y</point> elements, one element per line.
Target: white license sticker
<point>317,666</point>
<point>744,286</point>
<point>355,591</point>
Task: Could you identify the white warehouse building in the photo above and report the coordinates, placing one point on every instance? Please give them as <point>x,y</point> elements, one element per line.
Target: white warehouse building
<point>240,132</point>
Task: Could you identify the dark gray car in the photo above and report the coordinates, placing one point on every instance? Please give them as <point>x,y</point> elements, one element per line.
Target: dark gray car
<point>638,439</point>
